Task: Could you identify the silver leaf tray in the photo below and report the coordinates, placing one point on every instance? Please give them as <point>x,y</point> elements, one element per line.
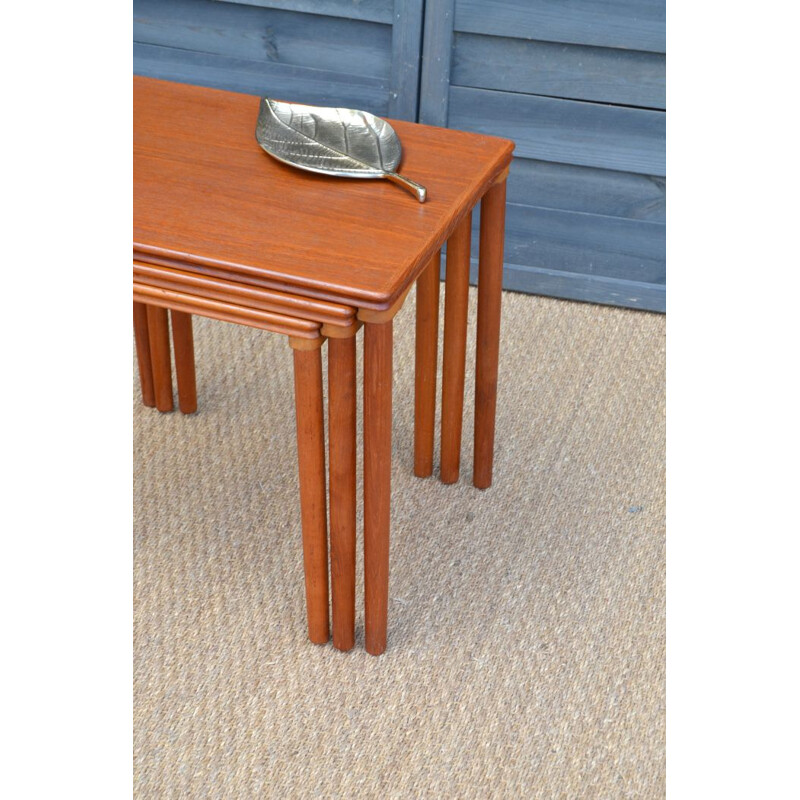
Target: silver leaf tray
<point>333,141</point>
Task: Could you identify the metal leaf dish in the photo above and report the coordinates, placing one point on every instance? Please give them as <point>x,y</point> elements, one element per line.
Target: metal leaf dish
<point>333,141</point>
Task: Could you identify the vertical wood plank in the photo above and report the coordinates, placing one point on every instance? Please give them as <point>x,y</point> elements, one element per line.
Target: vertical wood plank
<point>427,336</point>
<point>158,331</point>
<point>437,49</point>
<point>143,354</point>
<point>455,347</point>
<point>311,463</point>
<point>183,346</point>
<point>406,50</point>
<point>490,284</point>
<point>342,483</point>
<point>377,481</point>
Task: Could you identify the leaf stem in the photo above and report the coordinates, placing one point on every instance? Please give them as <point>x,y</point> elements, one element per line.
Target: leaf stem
<point>420,191</point>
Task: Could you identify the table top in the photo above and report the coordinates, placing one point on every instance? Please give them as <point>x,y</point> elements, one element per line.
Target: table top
<point>208,199</point>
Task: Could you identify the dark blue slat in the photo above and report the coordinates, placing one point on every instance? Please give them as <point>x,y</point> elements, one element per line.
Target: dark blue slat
<point>565,131</point>
<point>630,24</point>
<point>549,242</point>
<point>588,244</point>
<point>406,54</point>
<point>436,52</point>
<point>592,191</point>
<point>573,286</point>
<point>370,10</point>
<point>625,77</point>
<point>237,75</point>
<point>270,36</point>
<point>586,288</point>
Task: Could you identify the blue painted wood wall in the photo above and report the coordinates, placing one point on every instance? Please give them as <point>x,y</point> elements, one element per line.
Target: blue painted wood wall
<point>362,53</point>
<point>578,84</point>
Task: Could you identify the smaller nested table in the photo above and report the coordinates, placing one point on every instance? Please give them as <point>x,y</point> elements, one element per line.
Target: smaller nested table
<point>161,294</point>
<point>209,202</point>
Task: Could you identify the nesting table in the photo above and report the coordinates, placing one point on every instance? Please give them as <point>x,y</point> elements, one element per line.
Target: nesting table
<point>222,229</point>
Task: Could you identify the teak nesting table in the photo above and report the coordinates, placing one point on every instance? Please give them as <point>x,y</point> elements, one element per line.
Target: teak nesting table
<point>222,229</point>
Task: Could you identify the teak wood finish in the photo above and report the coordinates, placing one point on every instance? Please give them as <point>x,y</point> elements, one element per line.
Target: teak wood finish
<point>309,421</point>
<point>158,336</point>
<point>143,354</point>
<point>202,286</point>
<point>209,203</point>
<point>311,459</point>
<point>305,335</point>
<point>183,346</point>
<point>455,347</point>
<point>377,480</point>
<point>207,196</point>
<point>427,343</point>
<point>342,487</point>
<point>490,279</point>
<point>226,312</point>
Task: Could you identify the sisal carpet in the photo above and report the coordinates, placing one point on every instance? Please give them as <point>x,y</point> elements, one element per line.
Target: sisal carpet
<point>526,652</point>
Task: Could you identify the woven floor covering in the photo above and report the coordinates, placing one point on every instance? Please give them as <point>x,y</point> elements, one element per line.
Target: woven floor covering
<point>526,654</point>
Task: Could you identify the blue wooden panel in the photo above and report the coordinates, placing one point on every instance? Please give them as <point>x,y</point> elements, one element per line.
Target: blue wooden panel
<point>565,131</point>
<point>575,286</point>
<point>626,77</point>
<point>587,244</point>
<point>593,191</point>
<point>630,24</point>
<point>567,246</point>
<point>260,34</point>
<point>587,288</point>
<point>406,52</point>
<point>251,77</point>
<point>436,53</point>
<point>370,10</point>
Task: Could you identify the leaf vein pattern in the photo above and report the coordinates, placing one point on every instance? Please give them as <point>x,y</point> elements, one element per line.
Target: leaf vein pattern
<point>317,142</point>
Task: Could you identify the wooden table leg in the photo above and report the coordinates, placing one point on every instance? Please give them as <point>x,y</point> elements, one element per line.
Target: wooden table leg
<point>183,344</point>
<point>158,331</point>
<point>427,333</point>
<point>342,482</point>
<point>311,463</point>
<point>377,480</point>
<point>143,354</point>
<point>490,285</point>
<point>455,347</point>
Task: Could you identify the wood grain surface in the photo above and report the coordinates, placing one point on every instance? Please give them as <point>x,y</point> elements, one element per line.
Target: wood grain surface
<point>226,312</point>
<point>311,461</point>
<point>454,353</point>
<point>342,483</point>
<point>212,288</point>
<point>183,347</point>
<point>161,359</point>
<point>566,131</point>
<point>207,196</point>
<point>377,481</point>
<point>425,357</point>
<point>634,24</point>
<point>142,338</point>
<point>602,74</point>
<point>487,342</point>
